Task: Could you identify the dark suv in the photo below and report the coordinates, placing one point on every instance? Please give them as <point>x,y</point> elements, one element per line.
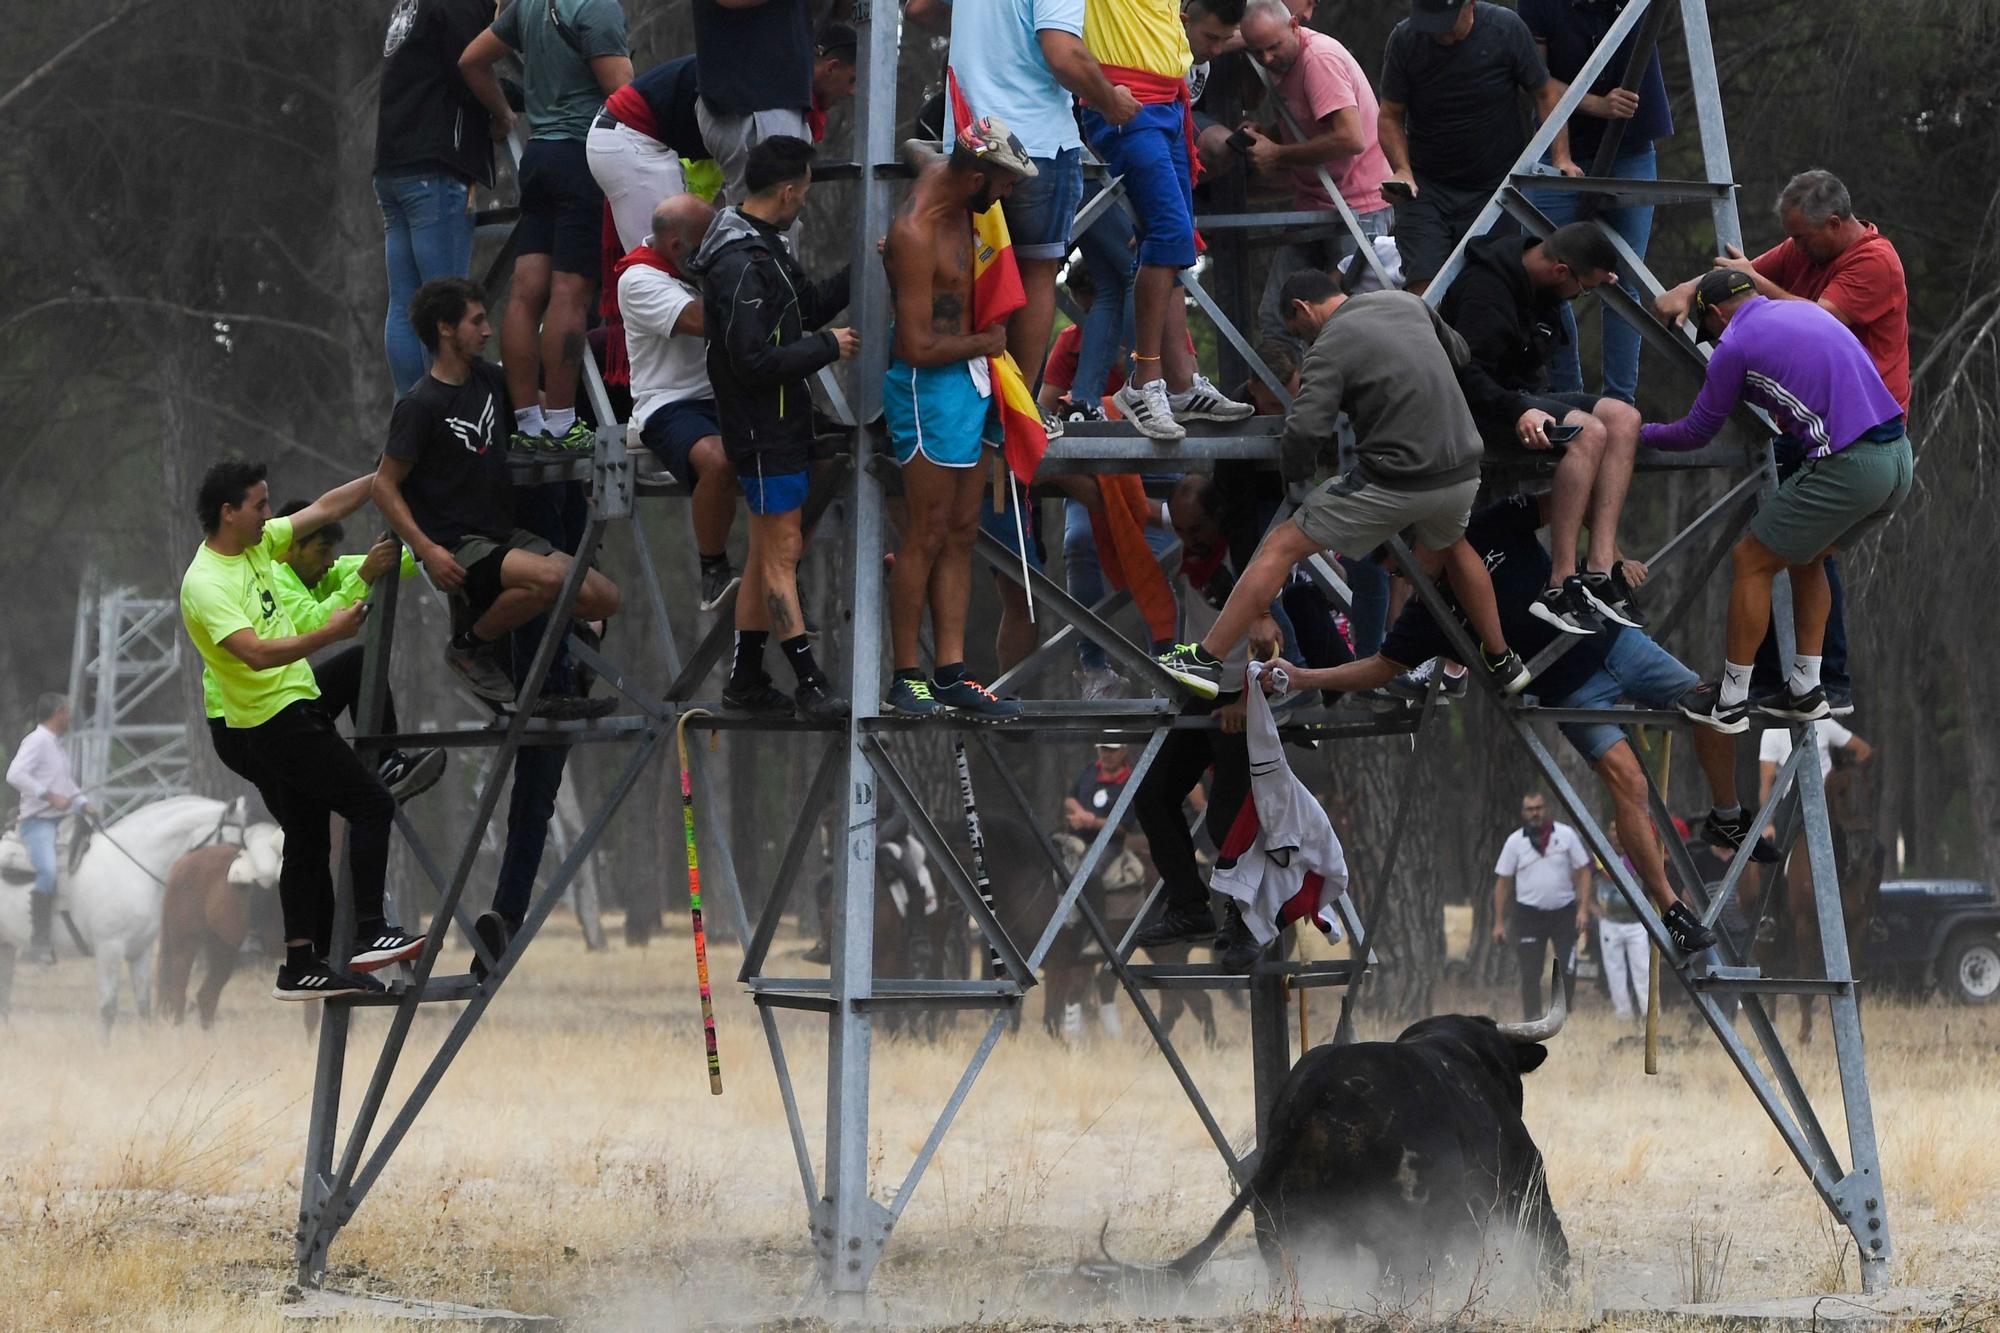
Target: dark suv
<point>1942,931</point>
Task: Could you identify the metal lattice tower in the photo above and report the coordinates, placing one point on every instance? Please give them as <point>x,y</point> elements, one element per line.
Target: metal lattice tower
<point>127,738</point>
<point>854,768</point>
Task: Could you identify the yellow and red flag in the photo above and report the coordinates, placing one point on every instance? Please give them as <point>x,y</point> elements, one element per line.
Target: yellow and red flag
<point>996,294</point>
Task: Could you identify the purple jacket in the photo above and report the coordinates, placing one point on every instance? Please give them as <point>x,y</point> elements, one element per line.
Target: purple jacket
<point>1798,363</point>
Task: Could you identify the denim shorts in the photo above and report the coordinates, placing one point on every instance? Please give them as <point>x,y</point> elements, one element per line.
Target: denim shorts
<point>1040,209</point>
<point>1636,669</point>
<point>1151,152</point>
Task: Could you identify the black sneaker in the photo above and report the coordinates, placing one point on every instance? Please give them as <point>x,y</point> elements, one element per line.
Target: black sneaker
<point>478,669</point>
<point>759,698</point>
<point>1729,833</point>
<point>816,702</point>
<point>821,952</point>
<point>968,698</point>
<point>1178,925</point>
<point>1188,664</point>
<point>1085,412</point>
<point>320,982</point>
<point>1414,684</point>
<point>1235,949</point>
<point>1704,704</point>
<point>1508,669</point>
<point>1792,706</point>
<point>1611,596</point>
<point>1564,607</point>
<point>408,775</point>
<point>1686,930</point>
<point>493,932</point>
<point>716,584</point>
<point>911,696</point>
<point>1839,701</point>
<point>574,707</point>
<point>379,948</point>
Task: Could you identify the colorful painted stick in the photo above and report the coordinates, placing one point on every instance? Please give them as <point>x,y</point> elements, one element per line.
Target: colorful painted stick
<point>977,837</point>
<point>694,904</point>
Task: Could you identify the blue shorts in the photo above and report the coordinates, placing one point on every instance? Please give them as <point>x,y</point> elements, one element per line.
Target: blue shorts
<point>777,493</point>
<point>673,430</point>
<point>936,411</point>
<point>1150,151</point>
<point>562,207</point>
<point>1637,669</point>
<point>1040,210</point>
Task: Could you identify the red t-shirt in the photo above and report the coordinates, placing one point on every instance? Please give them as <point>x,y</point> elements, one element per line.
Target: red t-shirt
<point>1866,282</point>
<point>1060,372</point>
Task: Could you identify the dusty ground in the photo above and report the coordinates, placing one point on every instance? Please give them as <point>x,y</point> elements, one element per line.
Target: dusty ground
<point>574,1163</point>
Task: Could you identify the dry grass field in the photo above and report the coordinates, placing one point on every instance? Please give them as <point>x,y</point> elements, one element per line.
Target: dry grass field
<point>573,1163</point>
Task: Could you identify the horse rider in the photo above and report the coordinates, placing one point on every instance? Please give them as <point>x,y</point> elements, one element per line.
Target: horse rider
<point>40,772</point>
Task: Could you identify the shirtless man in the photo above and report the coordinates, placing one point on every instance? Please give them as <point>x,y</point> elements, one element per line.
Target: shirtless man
<point>936,396</point>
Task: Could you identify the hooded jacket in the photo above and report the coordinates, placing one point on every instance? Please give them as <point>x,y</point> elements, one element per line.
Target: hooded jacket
<point>1508,326</point>
<point>426,118</point>
<point>764,339</point>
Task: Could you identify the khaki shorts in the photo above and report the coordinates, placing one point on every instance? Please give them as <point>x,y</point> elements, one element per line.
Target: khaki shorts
<point>1833,502</point>
<point>481,556</point>
<point>1353,516</point>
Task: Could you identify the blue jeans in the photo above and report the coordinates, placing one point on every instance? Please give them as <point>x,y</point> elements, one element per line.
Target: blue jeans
<point>1083,572</point>
<point>1621,340</point>
<point>1368,591</point>
<point>427,233</point>
<point>1041,208</point>
<point>1107,326</point>
<point>1636,668</point>
<point>39,834</point>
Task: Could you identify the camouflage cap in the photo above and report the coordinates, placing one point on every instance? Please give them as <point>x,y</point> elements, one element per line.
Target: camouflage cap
<point>990,141</point>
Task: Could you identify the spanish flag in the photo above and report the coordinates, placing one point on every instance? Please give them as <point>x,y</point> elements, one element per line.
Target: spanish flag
<point>997,293</point>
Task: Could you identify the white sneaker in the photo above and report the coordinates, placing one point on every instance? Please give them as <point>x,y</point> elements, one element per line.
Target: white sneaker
<point>1107,1018</point>
<point>1204,402</point>
<point>1072,1022</point>
<point>1148,407</point>
<point>1099,683</point>
<point>1052,425</point>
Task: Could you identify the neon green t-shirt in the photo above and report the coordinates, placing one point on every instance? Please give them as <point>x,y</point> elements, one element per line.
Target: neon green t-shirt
<point>221,594</point>
<point>340,586</point>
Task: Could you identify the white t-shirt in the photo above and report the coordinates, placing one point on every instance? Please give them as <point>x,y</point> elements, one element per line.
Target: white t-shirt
<point>1546,879</point>
<point>665,368</point>
<point>1776,747</point>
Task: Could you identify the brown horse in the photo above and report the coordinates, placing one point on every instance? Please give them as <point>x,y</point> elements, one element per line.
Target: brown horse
<point>1788,939</point>
<point>215,898</point>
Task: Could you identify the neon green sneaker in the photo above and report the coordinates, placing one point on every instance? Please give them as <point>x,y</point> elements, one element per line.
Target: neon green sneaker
<point>580,438</point>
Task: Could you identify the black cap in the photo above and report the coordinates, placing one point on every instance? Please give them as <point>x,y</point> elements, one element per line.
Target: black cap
<point>838,39</point>
<point>1717,287</point>
<point>1433,16</point>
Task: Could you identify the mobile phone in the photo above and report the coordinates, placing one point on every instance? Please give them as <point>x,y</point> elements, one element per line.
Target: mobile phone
<point>1401,189</point>
<point>1241,141</point>
<point>1560,434</point>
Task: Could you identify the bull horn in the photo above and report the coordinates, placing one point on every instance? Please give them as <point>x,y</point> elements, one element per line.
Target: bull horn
<point>1545,1027</point>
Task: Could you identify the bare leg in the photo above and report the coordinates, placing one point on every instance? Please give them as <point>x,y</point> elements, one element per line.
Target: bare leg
<point>1176,355</point>
<point>1716,753</point>
<point>1575,475</point>
<point>753,610</point>
<point>1028,328</point>
<point>714,496</point>
<point>1812,603</point>
<point>779,559</point>
<point>563,345</point>
<point>1282,547</point>
<point>1614,479</point>
<point>951,574</point>
<point>1620,772</point>
<point>521,329</point>
<point>1750,597</point>
<point>1474,589</point>
<point>1017,635</point>
<point>929,490</point>
<point>1152,292</point>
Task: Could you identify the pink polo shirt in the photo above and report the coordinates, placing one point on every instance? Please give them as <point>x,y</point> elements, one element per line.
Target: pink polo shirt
<point>1325,79</point>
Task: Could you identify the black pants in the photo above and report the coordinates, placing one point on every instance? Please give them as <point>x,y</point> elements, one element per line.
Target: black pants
<point>1183,758</point>
<point>307,774</point>
<point>1534,928</point>
<point>339,680</point>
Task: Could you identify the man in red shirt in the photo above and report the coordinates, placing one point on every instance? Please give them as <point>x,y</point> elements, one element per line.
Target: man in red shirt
<point>1852,271</point>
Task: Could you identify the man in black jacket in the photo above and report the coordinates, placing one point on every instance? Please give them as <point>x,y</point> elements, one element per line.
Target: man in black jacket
<point>433,142</point>
<point>758,308</point>
<point>1507,305</point>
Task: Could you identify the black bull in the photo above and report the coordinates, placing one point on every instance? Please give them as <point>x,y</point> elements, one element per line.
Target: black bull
<point>1411,1149</point>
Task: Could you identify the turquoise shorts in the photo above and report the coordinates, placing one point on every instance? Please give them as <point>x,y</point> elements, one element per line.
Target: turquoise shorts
<point>935,411</point>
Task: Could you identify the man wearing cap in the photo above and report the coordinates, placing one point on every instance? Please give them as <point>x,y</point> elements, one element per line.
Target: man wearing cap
<point>1451,123</point>
<point>1798,362</point>
<point>936,397</point>
<point>1851,270</point>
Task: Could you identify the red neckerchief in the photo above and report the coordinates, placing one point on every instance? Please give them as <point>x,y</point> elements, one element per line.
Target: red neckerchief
<point>1118,779</point>
<point>617,360</point>
<point>1540,838</point>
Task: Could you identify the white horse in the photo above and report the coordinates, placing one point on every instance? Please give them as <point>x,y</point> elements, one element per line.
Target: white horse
<point>113,896</point>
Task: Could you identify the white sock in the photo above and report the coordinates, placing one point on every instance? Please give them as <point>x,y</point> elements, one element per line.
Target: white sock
<point>560,419</point>
<point>528,420</point>
<point>1805,673</point>
<point>1735,683</point>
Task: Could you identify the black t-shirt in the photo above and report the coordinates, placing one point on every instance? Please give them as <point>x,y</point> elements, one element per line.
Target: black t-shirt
<point>456,435</point>
<point>1097,794</point>
<point>670,91</point>
<point>1504,536</point>
<point>757,59</point>
<point>426,118</point>
<point>1571,29</point>
<point>1465,119</point>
